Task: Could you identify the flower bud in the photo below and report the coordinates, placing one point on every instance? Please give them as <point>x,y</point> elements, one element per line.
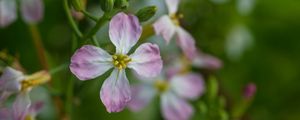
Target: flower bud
<point>212,87</point>
<point>77,5</point>
<point>121,4</point>
<point>146,13</point>
<point>32,10</point>
<point>249,90</point>
<point>8,12</point>
<point>107,5</point>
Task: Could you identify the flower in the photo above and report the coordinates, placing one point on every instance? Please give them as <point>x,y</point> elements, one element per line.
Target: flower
<point>13,81</point>
<point>89,61</point>
<point>174,93</point>
<point>202,60</point>
<point>168,25</point>
<point>32,11</point>
<point>7,12</point>
<point>22,109</point>
<point>249,90</point>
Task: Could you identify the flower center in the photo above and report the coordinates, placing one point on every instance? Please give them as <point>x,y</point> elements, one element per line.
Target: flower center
<point>35,79</point>
<point>120,61</point>
<point>161,85</point>
<point>175,18</point>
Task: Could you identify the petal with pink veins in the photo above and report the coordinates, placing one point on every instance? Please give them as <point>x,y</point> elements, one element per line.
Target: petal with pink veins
<point>10,80</point>
<point>141,96</point>
<point>8,12</point>
<point>165,27</point>
<point>207,61</point>
<point>21,106</point>
<point>189,86</point>
<point>175,108</point>
<point>124,32</point>
<point>89,62</point>
<point>32,10</point>
<point>186,43</point>
<point>146,60</point>
<point>115,92</point>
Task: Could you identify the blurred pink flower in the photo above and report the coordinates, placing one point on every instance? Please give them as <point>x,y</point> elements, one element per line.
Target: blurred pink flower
<point>32,11</point>
<point>206,61</point>
<point>173,92</point>
<point>89,62</point>
<point>22,109</point>
<point>168,25</point>
<point>8,12</point>
<point>249,90</point>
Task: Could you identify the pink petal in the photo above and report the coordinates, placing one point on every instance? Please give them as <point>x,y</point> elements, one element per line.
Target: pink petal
<point>141,96</point>
<point>186,43</point>
<point>172,6</point>
<point>8,12</point>
<point>175,108</point>
<point>146,60</point>
<point>89,62</point>
<point>165,27</point>
<point>207,61</point>
<point>32,10</point>
<point>189,86</point>
<point>115,92</point>
<point>21,106</point>
<point>10,80</point>
<point>5,114</point>
<point>124,32</point>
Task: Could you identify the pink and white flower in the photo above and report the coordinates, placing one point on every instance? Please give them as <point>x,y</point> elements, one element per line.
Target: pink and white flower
<point>89,61</point>
<point>22,109</point>
<point>32,11</point>
<point>174,93</point>
<point>168,25</point>
<point>13,81</point>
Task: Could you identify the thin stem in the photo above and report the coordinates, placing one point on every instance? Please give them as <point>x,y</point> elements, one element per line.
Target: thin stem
<point>59,68</point>
<point>98,25</point>
<point>36,38</point>
<point>69,97</point>
<point>87,14</point>
<point>71,20</point>
<point>95,41</point>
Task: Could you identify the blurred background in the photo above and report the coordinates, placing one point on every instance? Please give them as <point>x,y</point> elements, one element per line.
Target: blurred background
<point>257,40</point>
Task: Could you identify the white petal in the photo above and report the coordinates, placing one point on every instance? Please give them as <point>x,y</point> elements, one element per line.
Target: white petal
<point>89,62</point>
<point>21,106</point>
<point>124,32</point>
<point>146,60</point>
<point>8,12</point>
<point>115,92</point>
<point>190,85</point>
<point>165,27</point>
<point>141,96</point>
<point>10,80</point>
<point>186,43</point>
<point>172,6</point>
<point>175,108</point>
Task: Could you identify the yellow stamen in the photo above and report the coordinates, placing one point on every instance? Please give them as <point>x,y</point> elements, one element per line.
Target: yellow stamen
<point>120,61</point>
<point>35,79</point>
<point>161,85</point>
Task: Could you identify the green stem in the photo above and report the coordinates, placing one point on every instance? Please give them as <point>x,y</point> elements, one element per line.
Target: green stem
<point>98,25</point>
<point>59,68</point>
<point>95,41</point>
<point>87,14</point>
<point>71,20</point>
<point>69,97</point>
<point>36,38</point>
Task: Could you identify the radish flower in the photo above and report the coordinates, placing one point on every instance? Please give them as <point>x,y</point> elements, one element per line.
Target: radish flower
<point>174,93</point>
<point>89,61</point>
<point>168,25</point>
